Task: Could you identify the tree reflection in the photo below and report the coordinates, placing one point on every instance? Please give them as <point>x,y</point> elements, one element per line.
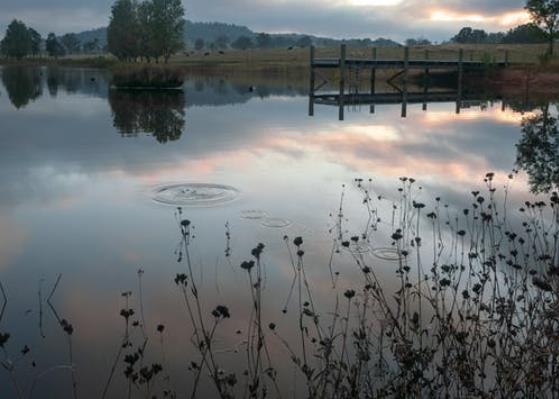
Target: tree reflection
<point>22,84</point>
<point>538,151</point>
<point>160,113</point>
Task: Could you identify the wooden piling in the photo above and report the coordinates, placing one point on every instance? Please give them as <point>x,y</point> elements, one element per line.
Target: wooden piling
<point>507,58</point>
<point>405,82</point>
<point>373,81</point>
<point>312,81</point>
<point>343,56</point>
<point>460,78</point>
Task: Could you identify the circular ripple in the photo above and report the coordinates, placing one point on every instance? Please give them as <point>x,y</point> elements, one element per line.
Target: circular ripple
<point>195,194</point>
<point>358,249</point>
<point>276,223</point>
<point>388,254</point>
<point>253,214</point>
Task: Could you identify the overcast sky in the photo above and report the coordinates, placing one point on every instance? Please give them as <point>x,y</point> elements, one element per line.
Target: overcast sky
<point>398,19</point>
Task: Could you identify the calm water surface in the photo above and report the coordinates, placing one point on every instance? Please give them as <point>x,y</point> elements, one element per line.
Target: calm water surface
<point>80,166</point>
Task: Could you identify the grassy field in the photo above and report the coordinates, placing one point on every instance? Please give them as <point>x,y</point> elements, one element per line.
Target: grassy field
<point>285,58</point>
<point>298,58</point>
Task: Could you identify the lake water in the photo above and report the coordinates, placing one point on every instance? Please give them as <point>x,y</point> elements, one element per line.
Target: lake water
<point>90,181</point>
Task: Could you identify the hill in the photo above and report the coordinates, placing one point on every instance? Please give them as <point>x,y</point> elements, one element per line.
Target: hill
<point>211,31</point>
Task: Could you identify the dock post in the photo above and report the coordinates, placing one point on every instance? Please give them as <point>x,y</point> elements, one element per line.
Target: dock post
<point>405,82</point>
<point>342,80</point>
<point>426,82</point>
<point>373,81</point>
<point>507,58</point>
<point>312,81</point>
<point>460,78</point>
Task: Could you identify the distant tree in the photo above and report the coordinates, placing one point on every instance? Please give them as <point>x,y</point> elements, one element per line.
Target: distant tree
<point>263,40</point>
<point>305,41</point>
<point>17,41</point>
<point>420,41</point>
<point>242,43</point>
<point>35,41</point>
<point>222,42</point>
<point>53,46</point>
<point>528,33</point>
<point>471,36</point>
<point>545,13</point>
<point>199,44</point>
<point>71,43</point>
<point>495,37</point>
<point>122,32</point>
<point>91,46</point>
<point>168,27</point>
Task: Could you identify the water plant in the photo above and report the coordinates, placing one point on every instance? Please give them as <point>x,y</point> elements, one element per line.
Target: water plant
<point>450,302</point>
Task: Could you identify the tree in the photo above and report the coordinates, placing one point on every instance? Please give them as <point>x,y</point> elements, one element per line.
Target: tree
<point>17,41</point>
<point>35,41</point>
<point>263,40</point>
<point>242,43</point>
<point>528,33</point>
<point>146,45</point>
<point>168,27</point>
<point>71,43</point>
<point>53,46</point>
<point>469,35</point>
<point>199,44</point>
<point>538,151</point>
<point>545,14</point>
<point>420,41</point>
<point>122,32</point>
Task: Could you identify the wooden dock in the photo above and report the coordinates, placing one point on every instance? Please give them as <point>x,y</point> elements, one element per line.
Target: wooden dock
<point>401,67</point>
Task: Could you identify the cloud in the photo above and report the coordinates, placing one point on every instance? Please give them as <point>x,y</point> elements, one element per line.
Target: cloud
<point>338,18</point>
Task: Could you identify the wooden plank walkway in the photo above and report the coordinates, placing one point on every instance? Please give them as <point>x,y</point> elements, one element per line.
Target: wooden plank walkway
<point>345,65</point>
<point>401,64</point>
<point>385,98</point>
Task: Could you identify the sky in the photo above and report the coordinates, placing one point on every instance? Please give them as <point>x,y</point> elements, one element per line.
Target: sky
<point>398,19</point>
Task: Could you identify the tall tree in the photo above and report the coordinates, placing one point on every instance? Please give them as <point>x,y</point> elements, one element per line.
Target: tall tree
<point>17,41</point>
<point>53,46</point>
<point>35,41</point>
<point>146,45</point>
<point>545,14</point>
<point>168,27</point>
<point>122,32</point>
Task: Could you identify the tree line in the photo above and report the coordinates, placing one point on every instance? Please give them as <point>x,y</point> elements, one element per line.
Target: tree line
<point>149,30</point>
<point>259,41</point>
<point>543,28</point>
<point>21,41</point>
